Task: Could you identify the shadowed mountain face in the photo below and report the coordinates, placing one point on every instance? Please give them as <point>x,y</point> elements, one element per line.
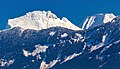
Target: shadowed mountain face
<point>102,50</point>
<point>29,49</point>
<point>61,48</point>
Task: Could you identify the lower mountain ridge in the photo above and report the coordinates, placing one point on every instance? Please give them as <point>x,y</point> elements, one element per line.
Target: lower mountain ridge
<point>61,48</point>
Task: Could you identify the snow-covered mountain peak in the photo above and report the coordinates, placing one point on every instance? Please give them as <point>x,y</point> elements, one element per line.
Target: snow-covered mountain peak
<point>37,14</point>
<point>65,19</point>
<point>108,18</point>
<point>39,20</point>
<point>97,19</point>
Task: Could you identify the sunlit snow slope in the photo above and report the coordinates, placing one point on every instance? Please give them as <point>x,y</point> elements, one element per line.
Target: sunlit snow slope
<point>96,20</point>
<point>39,20</point>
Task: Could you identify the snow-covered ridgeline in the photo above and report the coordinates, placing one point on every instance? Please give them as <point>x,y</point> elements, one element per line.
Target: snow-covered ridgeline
<point>39,20</point>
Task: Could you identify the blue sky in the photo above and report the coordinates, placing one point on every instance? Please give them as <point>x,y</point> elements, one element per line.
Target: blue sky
<point>75,10</point>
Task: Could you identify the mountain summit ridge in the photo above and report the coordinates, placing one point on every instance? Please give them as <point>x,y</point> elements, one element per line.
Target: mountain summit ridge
<point>39,20</point>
